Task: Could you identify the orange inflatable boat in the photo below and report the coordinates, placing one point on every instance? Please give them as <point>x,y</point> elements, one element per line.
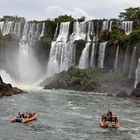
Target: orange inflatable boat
<point>26,119</point>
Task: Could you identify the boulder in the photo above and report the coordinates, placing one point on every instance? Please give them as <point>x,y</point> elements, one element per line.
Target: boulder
<point>8,90</point>
<point>135,93</point>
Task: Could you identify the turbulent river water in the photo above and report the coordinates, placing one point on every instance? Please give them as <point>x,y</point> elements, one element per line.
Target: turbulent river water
<point>68,115</point>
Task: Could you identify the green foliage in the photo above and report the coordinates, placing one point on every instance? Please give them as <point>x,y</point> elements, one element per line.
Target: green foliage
<point>81,19</point>
<point>104,36</point>
<point>50,27</point>
<point>92,76</point>
<point>134,37</point>
<point>132,14</point>
<point>119,35</point>
<point>64,18</point>
<point>12,18</point>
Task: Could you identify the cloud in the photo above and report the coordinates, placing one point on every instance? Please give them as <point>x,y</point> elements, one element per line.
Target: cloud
<point>55,11</point>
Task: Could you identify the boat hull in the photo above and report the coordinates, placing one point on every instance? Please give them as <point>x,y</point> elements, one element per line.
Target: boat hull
<point>24,120</point>
<point>108,124</point>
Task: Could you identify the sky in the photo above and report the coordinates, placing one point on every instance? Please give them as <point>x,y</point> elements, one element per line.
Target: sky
<point>44,9</point>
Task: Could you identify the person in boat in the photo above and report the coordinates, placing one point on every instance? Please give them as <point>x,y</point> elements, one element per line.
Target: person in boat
<point>114,119</point>
<point>19,115</point>
<point>107,116</point>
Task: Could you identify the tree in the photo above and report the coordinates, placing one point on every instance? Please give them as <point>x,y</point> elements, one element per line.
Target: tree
<point>132,14</point>
<point>64,18</point>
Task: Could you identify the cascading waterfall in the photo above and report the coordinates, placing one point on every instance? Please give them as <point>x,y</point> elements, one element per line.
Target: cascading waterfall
<point>1,26</point>
<point>42,32</point>
<point>126,58</point>
<point>92,60</point>
<point>64,32</point>
<point>127,26</point>
<point>132,65</point>
<point>6,29</point>
<point>137,74</point>
<point>101,56</point>
<point>62,53</point>
<point>84,59</point>
<point>28,66</point>
<point>116,58</point>
<point>110,26</point>
<point>90,30</point>
<point>56,31</point>
<point>105,25</point>
<point>79,31</point>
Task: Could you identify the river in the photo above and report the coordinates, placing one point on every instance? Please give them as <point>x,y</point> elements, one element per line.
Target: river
<point>68,115</point>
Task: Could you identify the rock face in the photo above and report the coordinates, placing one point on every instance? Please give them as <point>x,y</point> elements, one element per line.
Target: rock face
<point>136,92</point>
<point>8,90</point>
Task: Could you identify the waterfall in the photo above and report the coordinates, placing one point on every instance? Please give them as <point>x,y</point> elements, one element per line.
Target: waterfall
<point>126,59</point>
<point>127,26</point>
<point>17,29</point>
<point>62,53</point>
<point>105,25</point>
<point>7,27</point>
<point>89,31</point>
<point>28,66</point>
<point>43,30</point>
<point>84,59</point>
<point>56,31</point>
<point>64,32</point>
<point>79,31</point>
<point>1,26</point>
<point>110,26</point>
<point>132,64</point>
<point>101,57</point>
<point>116,58</point>
<point>6,77</point>
<point>137,74</point>
<point>92,60</point>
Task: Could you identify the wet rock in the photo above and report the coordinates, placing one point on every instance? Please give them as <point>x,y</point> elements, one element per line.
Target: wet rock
<point>135,93</point>
<point>8,90</point>
<point>122,94</point>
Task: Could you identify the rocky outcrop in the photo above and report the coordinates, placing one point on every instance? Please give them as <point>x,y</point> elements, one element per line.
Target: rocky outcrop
<point>8,90</point>
<point>136,92</point>
<point>96,80</point>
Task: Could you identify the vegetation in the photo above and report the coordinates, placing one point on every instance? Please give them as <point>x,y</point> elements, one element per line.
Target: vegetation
<point>64,18</point>
<point>131,14</point>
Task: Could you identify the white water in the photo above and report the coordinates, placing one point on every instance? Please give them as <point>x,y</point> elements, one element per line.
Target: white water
<point>79,31</point>
<point>90,30</point>
<point>101,56</point>
<point>62,53</point>
<point>92,60</point>
<point>132,68</point>
<point>105,25</point>
<point>116,58</point>
<point>28,66</point>
<point>126,59</point>
<point>7,27</point>
<point>43,30</point>
<point>6,77</point>
<point>137,74</point>
<point>84,59</point>
<point>64,32</point>
<point>127,26</point>
<point>110,26</point>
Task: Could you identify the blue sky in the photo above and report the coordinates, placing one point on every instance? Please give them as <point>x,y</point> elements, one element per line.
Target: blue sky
<point>43,9</point>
